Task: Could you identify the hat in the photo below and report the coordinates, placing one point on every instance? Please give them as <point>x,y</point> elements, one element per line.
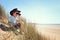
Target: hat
<point>15,10</point>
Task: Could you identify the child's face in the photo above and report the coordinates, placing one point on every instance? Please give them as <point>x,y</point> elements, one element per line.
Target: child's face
<point>15,14</point>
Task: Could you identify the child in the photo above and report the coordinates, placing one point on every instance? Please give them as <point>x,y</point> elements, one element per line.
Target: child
<point>14,20</point>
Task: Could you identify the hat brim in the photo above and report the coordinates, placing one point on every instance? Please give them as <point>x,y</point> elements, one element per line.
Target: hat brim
<point>18,11</point>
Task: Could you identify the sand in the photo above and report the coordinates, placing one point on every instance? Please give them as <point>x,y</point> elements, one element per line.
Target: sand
<point>49,32</point>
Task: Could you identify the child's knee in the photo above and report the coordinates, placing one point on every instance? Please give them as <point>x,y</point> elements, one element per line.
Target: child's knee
<point>22,23</point>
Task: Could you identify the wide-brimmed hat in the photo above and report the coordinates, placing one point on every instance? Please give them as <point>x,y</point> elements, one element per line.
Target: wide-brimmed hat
<point>15,10</point>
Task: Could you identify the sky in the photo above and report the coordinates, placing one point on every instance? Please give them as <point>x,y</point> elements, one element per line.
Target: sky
<point>35,11</point>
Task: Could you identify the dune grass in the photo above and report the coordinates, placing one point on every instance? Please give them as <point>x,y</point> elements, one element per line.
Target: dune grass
<point>31,33</point>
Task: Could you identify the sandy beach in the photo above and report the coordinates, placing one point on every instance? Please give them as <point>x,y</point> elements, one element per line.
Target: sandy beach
<point>49,32</point>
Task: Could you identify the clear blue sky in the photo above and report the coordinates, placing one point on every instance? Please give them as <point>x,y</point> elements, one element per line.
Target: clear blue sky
<point>36,11</point>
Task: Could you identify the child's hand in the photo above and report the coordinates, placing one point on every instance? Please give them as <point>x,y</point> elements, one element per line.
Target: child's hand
<point>18,21</point>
